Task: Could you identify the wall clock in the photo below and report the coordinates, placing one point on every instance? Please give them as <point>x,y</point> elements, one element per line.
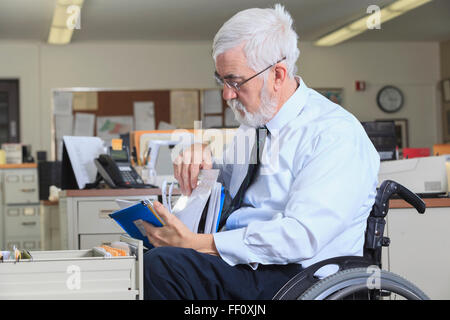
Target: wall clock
<point>390,99</point>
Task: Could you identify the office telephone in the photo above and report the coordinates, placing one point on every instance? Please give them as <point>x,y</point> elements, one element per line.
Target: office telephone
<point>117,171</point>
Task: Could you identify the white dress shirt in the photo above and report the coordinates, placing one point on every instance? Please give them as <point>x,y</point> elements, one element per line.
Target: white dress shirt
<point>311,198</point>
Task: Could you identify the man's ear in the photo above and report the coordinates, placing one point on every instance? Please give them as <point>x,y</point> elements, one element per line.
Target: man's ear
<point>280,76</point>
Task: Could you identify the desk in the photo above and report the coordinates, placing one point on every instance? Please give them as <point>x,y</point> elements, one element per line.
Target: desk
<point>418,250</point>
<point>84,215</point>
<point>419,245</point>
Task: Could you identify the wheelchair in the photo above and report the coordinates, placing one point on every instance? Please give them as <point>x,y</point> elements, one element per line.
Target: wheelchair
<point>360,278</point>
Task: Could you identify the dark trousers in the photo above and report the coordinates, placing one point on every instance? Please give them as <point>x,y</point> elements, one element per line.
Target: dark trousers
<point>178,273</point>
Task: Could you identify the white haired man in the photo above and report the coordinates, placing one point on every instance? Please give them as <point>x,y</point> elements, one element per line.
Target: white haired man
<point>312,207</point>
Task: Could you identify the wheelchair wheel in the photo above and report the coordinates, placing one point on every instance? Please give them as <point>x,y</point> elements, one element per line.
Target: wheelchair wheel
<point>358,283</point>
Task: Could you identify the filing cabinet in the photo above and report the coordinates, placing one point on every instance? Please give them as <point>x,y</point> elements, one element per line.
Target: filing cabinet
<point>74,274</point>
<point>20,209</point>
<point>84,215</point>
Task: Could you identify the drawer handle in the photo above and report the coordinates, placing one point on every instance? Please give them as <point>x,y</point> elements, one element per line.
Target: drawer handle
<point>32,223</point>
<point>104,214</point>
<point>28,190</point>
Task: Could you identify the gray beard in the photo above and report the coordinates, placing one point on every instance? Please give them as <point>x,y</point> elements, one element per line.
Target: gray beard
<point>262,115</point>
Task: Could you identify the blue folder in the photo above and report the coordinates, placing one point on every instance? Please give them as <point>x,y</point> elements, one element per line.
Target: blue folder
<point>140,211</point>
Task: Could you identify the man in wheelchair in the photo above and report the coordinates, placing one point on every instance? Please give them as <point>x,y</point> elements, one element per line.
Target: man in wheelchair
<point>302,196</point>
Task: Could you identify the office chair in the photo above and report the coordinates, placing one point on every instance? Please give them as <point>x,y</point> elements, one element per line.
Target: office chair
<point>360,277</point>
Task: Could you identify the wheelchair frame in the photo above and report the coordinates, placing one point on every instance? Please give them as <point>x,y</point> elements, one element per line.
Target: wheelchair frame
<point>304,283</point>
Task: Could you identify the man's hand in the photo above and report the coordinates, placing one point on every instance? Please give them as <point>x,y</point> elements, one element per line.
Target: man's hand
<point>187,165</point>
<point>174,233</point>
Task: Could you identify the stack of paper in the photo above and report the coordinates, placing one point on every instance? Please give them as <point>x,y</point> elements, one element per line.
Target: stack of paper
<point>189,209</point>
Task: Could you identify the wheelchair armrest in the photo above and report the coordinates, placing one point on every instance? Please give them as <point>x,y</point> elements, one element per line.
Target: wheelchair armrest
<point>305,278</point>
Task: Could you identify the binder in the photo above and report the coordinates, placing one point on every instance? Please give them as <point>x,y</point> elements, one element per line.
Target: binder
<point>128,219</point>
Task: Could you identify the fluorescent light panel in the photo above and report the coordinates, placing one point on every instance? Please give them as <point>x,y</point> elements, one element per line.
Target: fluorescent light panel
<point>59,32</point>
<point>359,26</point>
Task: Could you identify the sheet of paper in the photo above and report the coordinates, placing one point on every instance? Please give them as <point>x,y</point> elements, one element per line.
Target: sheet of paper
<point>212,101</point>
<point>184,107</point>
<point>189,209</point>
<point>116,144</point>
<point>82,151</point>
<point>85,101</point>
<point>84,124</point>
<point>162,125</point>
<point>213,209</point>
<point>62,102</point>
<point>112,127</point>
<point>144,115</point>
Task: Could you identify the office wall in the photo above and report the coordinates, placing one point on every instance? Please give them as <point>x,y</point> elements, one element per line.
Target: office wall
<point>414,67</point>
<point>21,61</point>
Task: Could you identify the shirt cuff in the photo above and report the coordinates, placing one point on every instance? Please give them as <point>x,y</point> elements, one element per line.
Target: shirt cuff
<point>232,249</point>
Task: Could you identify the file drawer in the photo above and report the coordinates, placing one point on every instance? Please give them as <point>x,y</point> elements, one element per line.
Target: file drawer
<point>74,274</point>
<point>29,243</point>
<point>20,186</point>
<point>93,217</point>
<point>22,221</point>
<point>94,240</point>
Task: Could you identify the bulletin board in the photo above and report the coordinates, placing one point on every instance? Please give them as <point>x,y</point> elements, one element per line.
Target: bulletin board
<point>104,103</point>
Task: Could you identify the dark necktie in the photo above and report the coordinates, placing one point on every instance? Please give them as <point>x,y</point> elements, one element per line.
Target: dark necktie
<point>253,165</point>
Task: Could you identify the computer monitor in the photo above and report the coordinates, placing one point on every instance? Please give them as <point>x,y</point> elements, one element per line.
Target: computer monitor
<point>164,163</point>
<point>383,136</point>
<point>78,167</point>
<point>68,180</point>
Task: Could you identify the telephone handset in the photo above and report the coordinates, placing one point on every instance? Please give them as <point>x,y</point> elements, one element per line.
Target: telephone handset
<point>118,174</point>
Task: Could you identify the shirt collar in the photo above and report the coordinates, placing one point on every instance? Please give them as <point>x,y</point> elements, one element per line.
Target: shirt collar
<point>291,108</point>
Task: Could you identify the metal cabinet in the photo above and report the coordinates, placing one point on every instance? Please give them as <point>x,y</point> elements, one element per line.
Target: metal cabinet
<point>85,222</point>
<point>20,213</point>
<point>419,248</point>
<point>21,186</point>
<point>74,274</point>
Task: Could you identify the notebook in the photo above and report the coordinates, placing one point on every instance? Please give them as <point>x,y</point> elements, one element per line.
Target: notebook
<point>200,211</point>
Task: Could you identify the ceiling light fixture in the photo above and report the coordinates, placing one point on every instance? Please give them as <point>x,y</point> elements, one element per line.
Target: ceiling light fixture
<point>359,26</point>
<point>66,18</point>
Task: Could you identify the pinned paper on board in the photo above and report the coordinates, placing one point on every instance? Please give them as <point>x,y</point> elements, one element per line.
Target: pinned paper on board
<point>62,102</point>
<point>85,101</point>
<point>144,115</point>
<point>84,124</point>
<point>184,108</point>
<point>112,127</point>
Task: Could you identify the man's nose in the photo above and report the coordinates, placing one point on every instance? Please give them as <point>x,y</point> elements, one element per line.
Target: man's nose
<point>228,93</point>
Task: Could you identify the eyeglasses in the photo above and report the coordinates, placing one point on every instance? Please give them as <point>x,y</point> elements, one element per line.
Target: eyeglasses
<point>237,85</point>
